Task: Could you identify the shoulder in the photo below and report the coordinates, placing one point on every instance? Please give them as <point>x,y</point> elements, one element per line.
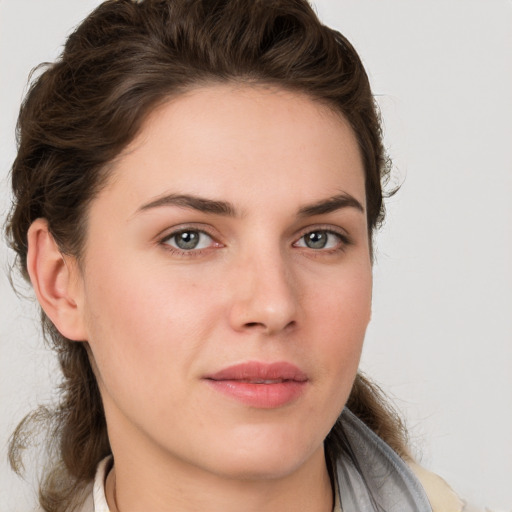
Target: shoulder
<point>441,496</point>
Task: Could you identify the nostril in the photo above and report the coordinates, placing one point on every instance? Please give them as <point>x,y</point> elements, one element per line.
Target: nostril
<point>254,324</point>
<point>290,325</point>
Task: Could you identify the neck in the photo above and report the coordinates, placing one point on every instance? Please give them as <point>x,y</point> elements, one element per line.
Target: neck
<point>168,487</point>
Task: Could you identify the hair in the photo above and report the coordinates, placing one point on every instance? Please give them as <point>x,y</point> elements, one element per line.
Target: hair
<point>122,61</point>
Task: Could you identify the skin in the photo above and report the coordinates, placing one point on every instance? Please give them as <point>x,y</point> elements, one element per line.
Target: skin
<point>157,319</point>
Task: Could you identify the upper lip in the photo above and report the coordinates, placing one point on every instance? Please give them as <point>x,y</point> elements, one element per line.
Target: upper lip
<point>255,371</point>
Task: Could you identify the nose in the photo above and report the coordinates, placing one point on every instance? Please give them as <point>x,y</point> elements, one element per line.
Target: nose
<point>264,295</point>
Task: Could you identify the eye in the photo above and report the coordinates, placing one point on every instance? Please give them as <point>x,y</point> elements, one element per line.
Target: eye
<point>188,240</point>
<point>321,239</point>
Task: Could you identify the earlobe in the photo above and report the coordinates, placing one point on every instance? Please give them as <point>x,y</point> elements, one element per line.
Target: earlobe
<point>54,277</point>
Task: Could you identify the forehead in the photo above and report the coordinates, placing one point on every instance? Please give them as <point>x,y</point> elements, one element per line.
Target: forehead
<point>220,138</point>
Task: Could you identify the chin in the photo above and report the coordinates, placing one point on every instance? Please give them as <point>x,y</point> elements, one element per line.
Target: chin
<point>259,468</point>
<point>267,455</point>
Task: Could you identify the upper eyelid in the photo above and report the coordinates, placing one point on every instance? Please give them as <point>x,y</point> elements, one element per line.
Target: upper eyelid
<point>180,228</point>
<point>337,230</point>
<point>184,230</point>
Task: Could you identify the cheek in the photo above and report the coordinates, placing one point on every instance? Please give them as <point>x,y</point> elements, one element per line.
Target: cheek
<point>337,316</point>
<point>141,324</point>
<point>343,305</point>
<point>145,322</point>
<point>343,312</point>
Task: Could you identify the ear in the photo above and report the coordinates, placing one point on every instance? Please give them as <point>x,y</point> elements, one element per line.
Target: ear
<point>56,281</point>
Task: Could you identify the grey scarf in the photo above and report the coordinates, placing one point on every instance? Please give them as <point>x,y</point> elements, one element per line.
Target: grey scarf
<point>374,478</point>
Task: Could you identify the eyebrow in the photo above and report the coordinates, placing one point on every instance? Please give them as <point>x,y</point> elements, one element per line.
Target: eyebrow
<point>331,204</point>
<point>225,208</point>
<point>194,202</point>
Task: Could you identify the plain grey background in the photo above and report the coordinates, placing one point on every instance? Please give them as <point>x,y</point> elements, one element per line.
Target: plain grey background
<point>440,340</point>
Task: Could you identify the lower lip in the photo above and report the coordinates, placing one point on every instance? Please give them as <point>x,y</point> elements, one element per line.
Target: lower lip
<point>262,396</point>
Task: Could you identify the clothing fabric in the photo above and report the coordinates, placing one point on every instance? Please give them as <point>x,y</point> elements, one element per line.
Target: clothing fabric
<point>372,479</point>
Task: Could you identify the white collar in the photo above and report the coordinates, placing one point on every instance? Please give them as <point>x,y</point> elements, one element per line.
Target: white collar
<point>98,491</point>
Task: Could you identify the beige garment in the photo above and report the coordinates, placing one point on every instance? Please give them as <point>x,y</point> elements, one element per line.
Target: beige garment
<point>441,496</point>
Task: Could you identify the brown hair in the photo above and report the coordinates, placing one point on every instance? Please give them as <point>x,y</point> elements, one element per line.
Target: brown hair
<point>123,60</point>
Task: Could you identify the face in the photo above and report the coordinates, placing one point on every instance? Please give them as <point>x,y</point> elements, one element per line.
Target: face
<point>226,282</point>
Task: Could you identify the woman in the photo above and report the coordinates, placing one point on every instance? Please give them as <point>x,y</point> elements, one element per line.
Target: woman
<point>196,190</point>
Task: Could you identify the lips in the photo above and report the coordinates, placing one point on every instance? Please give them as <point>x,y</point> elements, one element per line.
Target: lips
<point>260,385</point>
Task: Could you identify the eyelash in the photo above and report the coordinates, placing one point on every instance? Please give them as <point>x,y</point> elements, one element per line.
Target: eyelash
<point>343,241</point>
<point>190,252</point>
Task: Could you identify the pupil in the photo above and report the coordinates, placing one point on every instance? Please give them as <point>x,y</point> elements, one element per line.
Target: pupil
<point>187,240</point>
<point>316,240</point>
